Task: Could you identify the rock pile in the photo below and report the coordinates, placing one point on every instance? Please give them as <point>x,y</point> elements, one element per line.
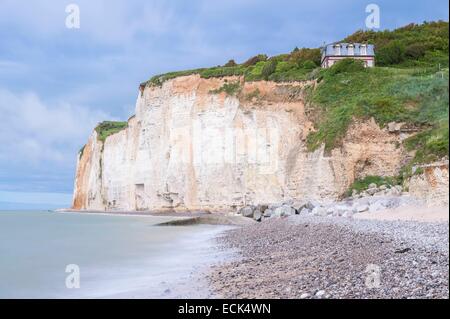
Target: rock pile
<point>382,190</point>
<point>371,200</point>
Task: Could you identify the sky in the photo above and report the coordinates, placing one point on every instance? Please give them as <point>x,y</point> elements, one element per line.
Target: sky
<point>57,83</point>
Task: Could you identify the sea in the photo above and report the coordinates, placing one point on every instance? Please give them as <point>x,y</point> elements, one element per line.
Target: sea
<point>47,254</point>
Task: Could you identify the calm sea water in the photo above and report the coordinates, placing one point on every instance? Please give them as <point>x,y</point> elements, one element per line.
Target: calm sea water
<point>118,256</point>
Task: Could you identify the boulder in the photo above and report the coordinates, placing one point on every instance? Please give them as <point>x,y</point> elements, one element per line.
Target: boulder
<point>362,208</point>
<point>342,206</point>
<point>319,211</point>
<point>394,127</point>
<point>275,206</point>
<point>372,190</point>
<point>305,211</point>
<point>372,185</point>
<point>320,293</point>
<point>247,211</point>
<point>288,202</point>
<point>299,204</point>
<point>380,193</point>
<point>289,210</point>
<point>268,213</point>
<point>393,192</point>
<point>376,206</point>
<point>364,194</point>
<point>257,215</point>
<point>262,207</point>
<point>284,210</point>
<point>311,204</point>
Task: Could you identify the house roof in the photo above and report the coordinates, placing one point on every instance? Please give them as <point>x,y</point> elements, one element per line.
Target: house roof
<point>328,50</point>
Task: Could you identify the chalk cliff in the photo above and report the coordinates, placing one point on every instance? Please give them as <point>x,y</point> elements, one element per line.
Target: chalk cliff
<point>193,144</point>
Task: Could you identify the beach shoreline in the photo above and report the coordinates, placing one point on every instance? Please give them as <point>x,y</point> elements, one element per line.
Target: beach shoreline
<point>317,257</point>
<point>181,218</point>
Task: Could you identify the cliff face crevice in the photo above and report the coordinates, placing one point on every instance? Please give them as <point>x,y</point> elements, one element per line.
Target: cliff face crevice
<point>193,145</point>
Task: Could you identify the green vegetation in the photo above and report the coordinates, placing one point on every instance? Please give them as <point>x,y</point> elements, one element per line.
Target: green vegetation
<point>363,184</point>
<point>255,94</point>
<point>230,63</point>
<point>232,88</point>
<point>107,128</point>
<point>415,45</point>
<point>412,45</point>
<point>387,95</point>
<point>158,80</point>
<point>296,66</point>
<point>409,84</point>
<point>413,90</point>
<point>81,151</point>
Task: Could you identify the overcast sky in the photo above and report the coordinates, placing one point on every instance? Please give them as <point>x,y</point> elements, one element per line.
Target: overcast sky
<point>57,83</point>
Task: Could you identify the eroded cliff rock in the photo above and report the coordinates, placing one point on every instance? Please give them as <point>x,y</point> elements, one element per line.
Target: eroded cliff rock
<point>193,144</point>
<point>431,183</point>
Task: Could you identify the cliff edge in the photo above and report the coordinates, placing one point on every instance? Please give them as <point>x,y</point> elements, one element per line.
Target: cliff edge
<point>193,145</point>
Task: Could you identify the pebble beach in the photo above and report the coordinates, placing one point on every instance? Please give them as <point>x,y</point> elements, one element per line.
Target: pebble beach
<point>321,257</point>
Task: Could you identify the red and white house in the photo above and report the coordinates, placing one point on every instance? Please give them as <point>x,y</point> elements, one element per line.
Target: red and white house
<point>331,53</point>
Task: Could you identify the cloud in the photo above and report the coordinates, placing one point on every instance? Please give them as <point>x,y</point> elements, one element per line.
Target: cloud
<point>57,83</point>
<point>35,132</point>
<point>103,21</point>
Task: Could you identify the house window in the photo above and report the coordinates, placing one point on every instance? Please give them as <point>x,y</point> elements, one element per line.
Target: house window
<point>337,49</point>
<point>351,50</point>
<point>363,49</point>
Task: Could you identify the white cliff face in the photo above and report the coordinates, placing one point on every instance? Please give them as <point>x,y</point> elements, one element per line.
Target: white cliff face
<point>431,184</point>
<point>190,147</point>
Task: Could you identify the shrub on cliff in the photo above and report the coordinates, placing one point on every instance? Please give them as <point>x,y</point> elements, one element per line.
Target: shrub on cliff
<point>222,71</point>
<point>230,63</point>
<point>299,56</point>
<point>254,60</point>
<point>415,50</point>
<point>268,69</point>
<point>418,40</point>
<point>393,53</point>
<point>346,66</point>
<point>254,72</point>
<point>231,89</point>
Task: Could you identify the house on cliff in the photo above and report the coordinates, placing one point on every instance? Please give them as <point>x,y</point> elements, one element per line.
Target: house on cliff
<point>331,53</point>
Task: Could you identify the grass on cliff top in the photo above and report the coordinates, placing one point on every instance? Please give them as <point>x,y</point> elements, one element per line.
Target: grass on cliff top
<point>298,65</point>
<point>107,128</point>
<point>414,45</point>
